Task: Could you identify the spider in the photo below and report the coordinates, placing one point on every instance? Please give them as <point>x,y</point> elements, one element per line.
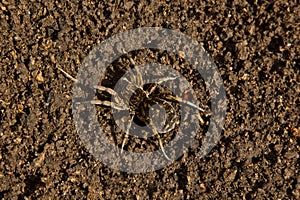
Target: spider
<point>140,105</point>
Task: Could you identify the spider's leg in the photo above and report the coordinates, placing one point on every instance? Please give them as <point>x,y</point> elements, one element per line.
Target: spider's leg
<point>165,79</point>
<point>130,59</point>
<point>106,103</point>
<point>186,102</point>
<point>168,127</point>
<point>105,89</point>
<point>200,119</point>
<point>158,82</point>
<point>134,84</point>
<point>159,138</point>
<point>139,77</point>
<point>126,133</point>
<point>140,81</point>
<point>66,74</point>
<point>99,87</point>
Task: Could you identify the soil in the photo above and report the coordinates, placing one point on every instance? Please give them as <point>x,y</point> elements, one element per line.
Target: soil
<point>255,45</point>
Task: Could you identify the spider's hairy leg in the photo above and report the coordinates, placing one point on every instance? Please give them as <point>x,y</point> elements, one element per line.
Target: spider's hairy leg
<point>134,84</point>
<point>186,102</point>
<point>108,90</point>
<point>66,74</point>
<point>169,127</point>
<point>158,82</point>
<point>159,139</point>
<point>130,59</point>
<point>200,119</point>
<point>140,81</point>
<point>127,133</point>
<point>105,103</point>
<point>100,88</point>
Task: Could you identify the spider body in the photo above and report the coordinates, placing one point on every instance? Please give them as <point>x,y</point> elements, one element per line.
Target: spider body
<point>141,104</point>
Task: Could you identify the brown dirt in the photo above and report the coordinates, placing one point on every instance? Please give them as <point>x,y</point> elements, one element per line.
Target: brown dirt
<point>255,45</point>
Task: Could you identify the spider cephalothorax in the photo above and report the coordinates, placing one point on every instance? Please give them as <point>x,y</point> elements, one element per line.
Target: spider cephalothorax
<point>141,105</point>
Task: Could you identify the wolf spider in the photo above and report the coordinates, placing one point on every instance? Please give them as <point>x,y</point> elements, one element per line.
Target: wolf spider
<point>137,109</point>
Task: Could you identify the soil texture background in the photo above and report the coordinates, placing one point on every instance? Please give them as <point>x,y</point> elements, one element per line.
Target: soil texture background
<point>255,45</point>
